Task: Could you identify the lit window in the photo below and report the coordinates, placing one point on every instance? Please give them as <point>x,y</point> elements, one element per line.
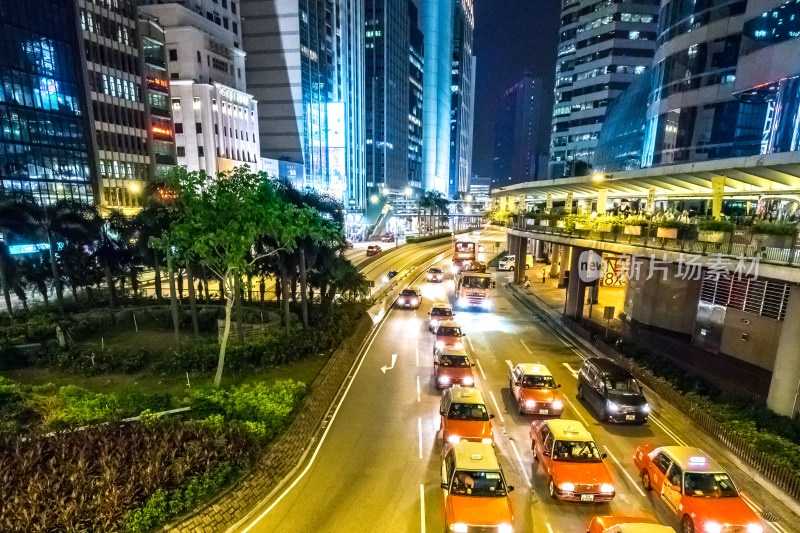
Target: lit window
<point>633,35</point>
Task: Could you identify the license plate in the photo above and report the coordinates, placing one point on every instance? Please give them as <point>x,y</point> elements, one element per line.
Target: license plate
<point>587,497</point>
<point>630,417</point>
<point>544,411</point>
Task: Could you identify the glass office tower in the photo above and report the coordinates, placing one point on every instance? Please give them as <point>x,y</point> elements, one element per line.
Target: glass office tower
<point>45,147</point>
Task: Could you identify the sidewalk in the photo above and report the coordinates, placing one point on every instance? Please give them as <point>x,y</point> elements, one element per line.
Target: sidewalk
<point>735,377</point>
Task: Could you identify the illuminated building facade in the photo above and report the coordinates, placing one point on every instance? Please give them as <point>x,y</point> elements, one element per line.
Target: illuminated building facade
<point>45,148</point>
<point>462,98</point>
<point>416,69</point>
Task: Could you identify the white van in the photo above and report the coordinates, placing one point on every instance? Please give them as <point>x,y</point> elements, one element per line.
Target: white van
<point>509,261</point>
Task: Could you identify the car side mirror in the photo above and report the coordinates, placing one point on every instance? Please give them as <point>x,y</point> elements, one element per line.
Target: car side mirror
<point>491,416</point>
<point>453,314</point>
<point>511,488</point>
<point>436,362</point>
<point>441,412</point>
<point>444,486</point>
<point>558,386</point>
<point>429,312</point>
<point>473,364</point>
<point>603,455</point>
<point>546,453</point>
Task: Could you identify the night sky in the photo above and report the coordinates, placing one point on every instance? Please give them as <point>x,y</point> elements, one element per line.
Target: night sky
<point>511,36</point>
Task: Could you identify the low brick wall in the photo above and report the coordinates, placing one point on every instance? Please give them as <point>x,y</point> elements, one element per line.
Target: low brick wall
<point>287,450</point>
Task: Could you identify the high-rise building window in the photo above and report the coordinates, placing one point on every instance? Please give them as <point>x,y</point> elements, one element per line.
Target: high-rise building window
<point>181,151</point>
<point>199,57</point>
<point>200,152</point>
<point>173,54</point>
<point>179,127</point>
<point>198,127</point>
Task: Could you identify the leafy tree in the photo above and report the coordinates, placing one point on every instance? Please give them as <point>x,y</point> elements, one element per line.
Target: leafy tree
<point>219,222</point>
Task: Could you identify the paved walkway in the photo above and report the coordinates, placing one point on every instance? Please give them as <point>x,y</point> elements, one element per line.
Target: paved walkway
<point>743,378</point>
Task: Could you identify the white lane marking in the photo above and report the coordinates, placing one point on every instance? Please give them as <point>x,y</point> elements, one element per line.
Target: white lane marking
<point>585,423</point>
<point>508,362</point>
<point>521,464</point>
<point>550,529</point>
<point>755,507</point>
<point>668,431</point>
<point>417,355</point>
<point>571,370</point>
<point>630,477</point>
<point>419,429</point>
<point>422,508</point>
<point>526,347</point>
<point>496,407</point>
<point>321,440</point>
<point>469,341</point>
<point>481,369</point>
<point>418,391</point>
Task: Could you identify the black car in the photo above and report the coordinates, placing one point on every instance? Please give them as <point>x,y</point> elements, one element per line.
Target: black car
<point>435,274</point>
<point>612,391</point>
<point>409,299</point>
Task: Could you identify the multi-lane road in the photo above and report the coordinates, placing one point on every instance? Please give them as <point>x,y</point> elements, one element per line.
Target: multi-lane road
<point>377,467</point>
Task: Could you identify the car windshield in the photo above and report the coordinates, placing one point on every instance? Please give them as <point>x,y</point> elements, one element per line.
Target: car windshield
<point>538,382</point>
<point>576,451</point>
<point>623,385</point>
<point>409,292</point>
<point>471,282</point>
<point>704,485</point>
<point>435,270</point>
<point>478,483</point>
<point>441,311</point>
<point>468,411</point>
<point>460,361</point>
<point>448,331</point>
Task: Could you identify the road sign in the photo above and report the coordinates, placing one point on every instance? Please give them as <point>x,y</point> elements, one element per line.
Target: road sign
<point>608,313</point>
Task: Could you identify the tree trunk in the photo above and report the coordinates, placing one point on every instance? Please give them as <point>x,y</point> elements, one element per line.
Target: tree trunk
<point>205,288</point>
<point>224,342</point>
<point>56,274</point>
<point>222,290</point>
<point>192,299</point>
<point>180,285</point>
<point>43,290</point>
<point>74,290</point>
<point>285,300</point>
<point>4,281</point>
<point>261,288</point>
<point>250,288</point>
<point>238,296</point>
<point>303,287</point>
<point>157,269</point>
<point>173,300</point>
<point>135,281</point>
<point>112,290</point>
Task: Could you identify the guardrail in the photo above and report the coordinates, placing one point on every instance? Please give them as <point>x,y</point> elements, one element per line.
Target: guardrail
<point>741,242</point>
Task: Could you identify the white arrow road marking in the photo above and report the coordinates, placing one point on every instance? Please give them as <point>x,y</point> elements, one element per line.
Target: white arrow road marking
<point>385,368</point>
<point>630,478</point>
<point>571,371</point>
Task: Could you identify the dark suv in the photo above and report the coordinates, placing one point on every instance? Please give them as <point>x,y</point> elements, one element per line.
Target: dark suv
<point>612,391</point>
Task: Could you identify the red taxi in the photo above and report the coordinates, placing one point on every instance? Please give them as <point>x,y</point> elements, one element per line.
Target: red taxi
<point>535,390</point>
<point>451,366</point>
<point>464,416</point>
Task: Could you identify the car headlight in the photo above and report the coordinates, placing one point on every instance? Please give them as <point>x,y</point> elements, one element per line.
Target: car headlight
<point>468,381</point>
<point>462,301</point>
<point>453,439</point>
<point>755,528</point>
<point>402,300</point>
<point>712,527</point>
<point>613,407</point>
<point>607,488</point>
<point>558,405</point>
<point>430,276</point>
<point>455,269</point>
<point>486,441</point>
<point>505,528</point>
<point>444,380</point>
<point>530,404</point>
<point>646,408</point>
<point>567,487</point>
<point>440,344</point>
<point>459,345</point>
<point>413,301</point>
<point>460,527</point>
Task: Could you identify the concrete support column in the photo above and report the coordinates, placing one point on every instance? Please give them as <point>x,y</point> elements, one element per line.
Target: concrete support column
<point>554,260</point>
<point>521,253</point>
<point>510,243</point>
<point>783,390</point>
<point>576,289</point>
<point>564,266</point>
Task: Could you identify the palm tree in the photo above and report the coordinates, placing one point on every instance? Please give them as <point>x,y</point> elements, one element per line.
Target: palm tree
<point>14,220</point>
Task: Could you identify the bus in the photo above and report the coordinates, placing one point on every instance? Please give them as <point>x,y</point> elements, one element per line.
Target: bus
<point>474,289</point>
<point>463,252</point>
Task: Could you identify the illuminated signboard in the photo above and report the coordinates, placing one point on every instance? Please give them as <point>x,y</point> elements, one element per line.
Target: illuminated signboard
<point>157,83</point>
<point>336,139</point>
<point>234,96</point>
<point>162,131</point>
<point>18,249</point>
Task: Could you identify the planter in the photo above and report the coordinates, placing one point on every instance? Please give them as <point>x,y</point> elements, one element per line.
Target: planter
<point>530,221</point>
<point>581,225</point>
<point>604,228</point>
<point>765,240</point>
<point>705,235</point>
<point>667,233</point>
<point>560,223</point>
<point>544,222</point>
<point>633,230</point>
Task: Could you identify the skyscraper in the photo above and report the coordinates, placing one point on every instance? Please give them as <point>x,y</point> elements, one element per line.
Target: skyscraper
<point>462,99</point>
<point>387,77</point>
<point>45,147</point>
<point>517,132</point>
<point>602,48</point>
<point>416,59</point>
<point>305,66</point>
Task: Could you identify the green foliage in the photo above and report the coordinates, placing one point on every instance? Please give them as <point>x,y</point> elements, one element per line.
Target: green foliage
<point>263,410</point>
<point>93,362</point>
<point>163,505</point>
<point>710,224</point>
<point>773,228</point>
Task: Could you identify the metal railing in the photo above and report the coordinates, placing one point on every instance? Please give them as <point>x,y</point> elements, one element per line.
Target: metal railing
<point>741,242</point>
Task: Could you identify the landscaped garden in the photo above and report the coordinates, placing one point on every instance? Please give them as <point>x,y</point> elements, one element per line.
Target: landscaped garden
<point>120,412</point>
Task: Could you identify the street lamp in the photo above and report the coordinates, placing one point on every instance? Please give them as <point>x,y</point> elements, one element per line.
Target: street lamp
<point>598,177</point>
<point>374,198</point>
<point>386,191</point>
